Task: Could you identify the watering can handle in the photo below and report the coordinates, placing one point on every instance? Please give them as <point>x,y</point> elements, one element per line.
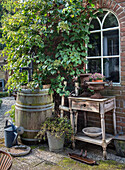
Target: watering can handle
<point>15,139</point>
<point>13,127</point>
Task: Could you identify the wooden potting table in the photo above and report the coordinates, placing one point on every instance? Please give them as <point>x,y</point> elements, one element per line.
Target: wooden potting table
<point>98,106</point>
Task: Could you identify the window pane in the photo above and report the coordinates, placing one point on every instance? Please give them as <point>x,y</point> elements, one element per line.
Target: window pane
<point>111,69</point>
<point>95,39</point>
<point>101,15</point>
<point>94,65</point>
<point>96,25</point>
<point>111,43</point>
<point>110,21</point>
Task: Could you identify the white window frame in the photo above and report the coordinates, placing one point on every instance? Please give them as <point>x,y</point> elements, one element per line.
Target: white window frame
<point>102,30</point>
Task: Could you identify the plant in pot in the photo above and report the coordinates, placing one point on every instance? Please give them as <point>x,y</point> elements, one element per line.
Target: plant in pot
<point>96,77</point>
<point>57,129</point>
<point>96,84</point>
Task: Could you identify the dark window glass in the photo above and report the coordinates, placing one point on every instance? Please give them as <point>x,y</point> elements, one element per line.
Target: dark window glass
<point>95,41</point>
<point>111,69</point>
<point>111,42</point>
<point>110,21</point>
<point>101,15</point>
<point>95,24</point>
<point>94,65</point>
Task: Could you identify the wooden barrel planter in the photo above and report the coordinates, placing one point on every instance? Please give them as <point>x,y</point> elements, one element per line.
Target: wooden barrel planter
<point>31,110</point>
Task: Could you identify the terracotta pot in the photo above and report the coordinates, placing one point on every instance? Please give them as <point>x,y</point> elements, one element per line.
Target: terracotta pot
<point>97,87</point>
<point>97,80</point>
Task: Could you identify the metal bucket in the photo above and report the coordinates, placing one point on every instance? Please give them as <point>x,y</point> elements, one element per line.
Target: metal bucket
<point>10,134</point>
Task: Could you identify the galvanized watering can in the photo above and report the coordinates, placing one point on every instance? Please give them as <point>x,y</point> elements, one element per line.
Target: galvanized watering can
<point>10,134</point>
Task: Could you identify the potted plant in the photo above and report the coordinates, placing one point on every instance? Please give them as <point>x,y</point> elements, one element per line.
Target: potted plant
<point>96,77</point>
<point>57,129</point>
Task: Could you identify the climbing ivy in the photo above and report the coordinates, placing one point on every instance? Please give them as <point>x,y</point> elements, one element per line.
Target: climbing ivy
<point>52,34</point>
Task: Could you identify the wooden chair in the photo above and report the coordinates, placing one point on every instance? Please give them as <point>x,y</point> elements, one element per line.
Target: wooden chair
<point>5,160</point>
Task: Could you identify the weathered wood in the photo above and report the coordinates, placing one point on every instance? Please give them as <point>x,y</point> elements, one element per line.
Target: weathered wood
<point>62,100</point>
<point>76,88</point>
<point>32,108</point>
<point>64,108</point>
<point>85,119</point>
<point>98,106</point>
<point>5,160</point>
<point>96,140</point>
<point>85,105</point>
<point>114,118</point>
<point>76,121</point>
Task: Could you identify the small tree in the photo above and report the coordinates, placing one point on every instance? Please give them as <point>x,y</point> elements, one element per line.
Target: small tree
<point>55,31</point>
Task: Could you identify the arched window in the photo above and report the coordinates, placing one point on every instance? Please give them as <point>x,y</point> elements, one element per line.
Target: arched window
<point>104,55</point>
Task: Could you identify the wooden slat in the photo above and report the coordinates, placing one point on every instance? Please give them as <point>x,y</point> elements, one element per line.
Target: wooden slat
<point>5,160</point>
<point>85,105</point>
<point>64,108</point>
<point>2,161</point>
<point>97,140</point>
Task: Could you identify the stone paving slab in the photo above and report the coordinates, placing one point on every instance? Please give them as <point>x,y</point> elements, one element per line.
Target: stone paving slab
<point>41,158</point>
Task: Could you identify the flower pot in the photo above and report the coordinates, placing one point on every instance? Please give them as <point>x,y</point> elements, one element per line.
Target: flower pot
<point>97,87</point>
<point>55,144</point>
<point>97,80</point>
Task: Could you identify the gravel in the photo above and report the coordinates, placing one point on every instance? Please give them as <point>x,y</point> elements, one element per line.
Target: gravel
<point>6,106</point>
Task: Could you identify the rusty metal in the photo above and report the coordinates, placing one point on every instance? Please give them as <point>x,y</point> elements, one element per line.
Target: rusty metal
<point>83,159</point>
<point>29,69</point>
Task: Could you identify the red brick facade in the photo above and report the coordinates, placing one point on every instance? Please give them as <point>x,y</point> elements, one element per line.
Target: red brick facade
<point>118,7</point>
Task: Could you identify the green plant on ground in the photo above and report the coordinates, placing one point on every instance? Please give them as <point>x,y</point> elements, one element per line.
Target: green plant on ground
<point>4,94</point>
<point>12,112</point>
<point>0,103</point>
<point>57,126</point>
<point>51,34</point>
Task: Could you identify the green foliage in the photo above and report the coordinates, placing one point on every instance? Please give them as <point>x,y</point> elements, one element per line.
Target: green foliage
<point>12,112</point>
<point>55,31</point>
<point>1,102</point>
<point>4,94</point>
<point>57,126</point>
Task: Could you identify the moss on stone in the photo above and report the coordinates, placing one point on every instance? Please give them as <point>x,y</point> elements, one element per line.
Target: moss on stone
<point>107,164</point>
<point>42,148</point>
<point>34,146</point>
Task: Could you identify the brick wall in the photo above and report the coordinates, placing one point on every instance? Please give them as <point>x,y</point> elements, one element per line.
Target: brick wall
<point>118,7</point>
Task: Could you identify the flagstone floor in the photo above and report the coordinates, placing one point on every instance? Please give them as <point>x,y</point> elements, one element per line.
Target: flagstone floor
<point>40,158</point>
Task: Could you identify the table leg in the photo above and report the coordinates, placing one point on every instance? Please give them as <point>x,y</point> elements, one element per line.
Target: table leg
<point>73,142</point>
<point>104,151</point>
<point>85,119</point>
<point>76,120</point>
<point>114,118</point>
<point>104,145</point>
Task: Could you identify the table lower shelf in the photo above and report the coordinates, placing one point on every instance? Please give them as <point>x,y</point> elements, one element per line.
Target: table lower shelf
<point>94,140</point>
